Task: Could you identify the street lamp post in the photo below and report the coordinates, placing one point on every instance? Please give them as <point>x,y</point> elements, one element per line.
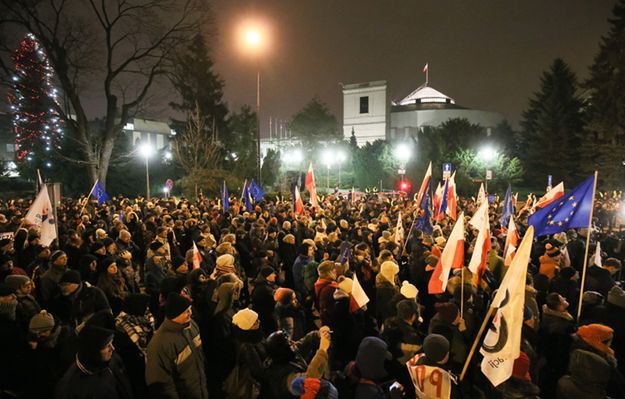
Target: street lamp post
<point>327,159</point>
<point>253,40</point>
<point>402,153</point>
<point>146,150</point>
<point>487,153</point>
<point>340,158</point>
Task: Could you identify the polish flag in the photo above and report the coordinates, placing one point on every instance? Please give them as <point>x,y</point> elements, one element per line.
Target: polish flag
<point>452,257</point>
<point>424,184</point>
<point>311,187</point>
<point>358,297</point>
<point>512,242</point>
<point>452,197</point>
<point>551,196</point>
<point>299,205</point>
<point>438,198</point>
<point>197,257</point>
<point>479,258</point>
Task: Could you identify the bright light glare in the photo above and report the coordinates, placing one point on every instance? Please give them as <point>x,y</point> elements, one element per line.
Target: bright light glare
<point>340,157</point>
<point>252,37</point>
<point>328,158</point>
<point>146,150</point>
<point>403,152</point>
<point>488,153</point>
<point>292,157</point>
<point>168,155</point>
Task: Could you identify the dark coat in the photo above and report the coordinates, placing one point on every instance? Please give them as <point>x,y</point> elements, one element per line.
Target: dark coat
<point>589,375</point>
<point>598,279</point>
<point>263,304</point>
<point>73,309</point>
<point>385,291</point>
<point>614,316</point>
<point>109,382</point>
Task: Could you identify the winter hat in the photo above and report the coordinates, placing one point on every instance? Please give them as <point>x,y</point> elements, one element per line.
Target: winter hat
<point>616,296</point>
<point>567,272</point>
<point>172,284</point>
<point>16,281</point>
<point>267,271</point>
<point>71,277</point>
<point>136,304</point>
<point>406,308</point>
<point>345,284</point>
<point>389,270</point>
<point>177,261</point>
<point>97,245</point>
<point>325,268</point>
<point>245,319</point>
<point>55,255</point>
<point>435,347</point>
<point>598,336</point>
<point>448,311</point>
<point>175,305</point>
<point>91,340</point>
<point>560,238</point>
<point>283,295</point>
<point>108,241</point>
<point>86,260</point>
<point>552,251</point>
<point>289,239</point>
<point>594,298</point>
<point>42,321</point>
<point>311,388</point>
<point>408,290</point>
<point>521,367</point>
<point>155,245</point>
<point>5,290</point>
<point>225,264</point>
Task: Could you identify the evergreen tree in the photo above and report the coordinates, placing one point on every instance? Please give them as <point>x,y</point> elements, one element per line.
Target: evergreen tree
<point>553,126</point>
<point>604,145</point>
<point>314,123</point>
<point>271,168</point>
<point>197,84</point>
<point>33,102</point>
<point>241,144</point>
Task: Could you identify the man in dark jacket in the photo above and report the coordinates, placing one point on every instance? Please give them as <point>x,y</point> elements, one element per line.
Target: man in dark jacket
<point>175,361</point>
<point>97,372</point>
<point>600,278</point>
<point>262,298</point>
<point>77,300</point>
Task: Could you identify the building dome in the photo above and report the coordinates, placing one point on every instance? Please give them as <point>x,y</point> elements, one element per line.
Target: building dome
<point>426,95</point>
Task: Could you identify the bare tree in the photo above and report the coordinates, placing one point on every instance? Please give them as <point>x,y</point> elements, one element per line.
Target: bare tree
<point>116,49</point>
<point>198,153</point>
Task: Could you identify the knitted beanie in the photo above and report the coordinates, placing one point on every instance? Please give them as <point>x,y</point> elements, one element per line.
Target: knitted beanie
<point>42,321</point>
<point>521,367</point>
<point>71,277</point>
<point>175,305</point>
<point>311,388</point>
<point>245,319</point>
<point>16,281</point>
<point>389,270</point>
<point>408,290</point>
<point>283,295</point>
<point>597,336</point>
<point>225,264</point>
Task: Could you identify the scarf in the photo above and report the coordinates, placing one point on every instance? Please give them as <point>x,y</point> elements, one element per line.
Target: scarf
<point>7,309</point>
<point>138,328</point>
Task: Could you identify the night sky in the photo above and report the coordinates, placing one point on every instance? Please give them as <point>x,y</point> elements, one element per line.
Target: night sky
<point>486,54</point>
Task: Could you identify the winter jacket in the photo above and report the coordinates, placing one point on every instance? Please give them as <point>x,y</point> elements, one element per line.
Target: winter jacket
<point>515,388</point>
<point>589,375</point>
<point>108,382</point>
<point>48,284</point>
<point>175,362</point>
<point>385,291</point>
<point>263,304</point>
<point>298,275</point>
<point>549,265</point>
<point>324,300</point>
<point>72,310</point>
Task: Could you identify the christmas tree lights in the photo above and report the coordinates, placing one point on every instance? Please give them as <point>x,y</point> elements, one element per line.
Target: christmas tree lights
<point>33,101</point>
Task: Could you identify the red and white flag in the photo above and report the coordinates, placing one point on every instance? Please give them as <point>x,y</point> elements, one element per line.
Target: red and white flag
<point>311,187</point>
<point>197,257</point>
<point>551,196</point>
<point>299,205</point>
<point>481,195</point>
<point>452,257</point>
<point>512,242</point>
<point>479,258</point>
<point>424,184</point>
<point>452,197</point>
<point>438,198</point>
<point>358,297</point>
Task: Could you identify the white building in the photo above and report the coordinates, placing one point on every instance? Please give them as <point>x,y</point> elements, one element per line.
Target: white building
<point>367,114</point>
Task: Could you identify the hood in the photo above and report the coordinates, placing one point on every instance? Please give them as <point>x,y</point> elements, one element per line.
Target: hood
<point>370,358</point>
<point>588,368</point>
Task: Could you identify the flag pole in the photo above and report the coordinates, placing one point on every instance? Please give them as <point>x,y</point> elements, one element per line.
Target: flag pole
<point>87,199</point>
<point>592,207</point>
<point>477,339</point>
<point>414,219</point>
<point>462,293</point>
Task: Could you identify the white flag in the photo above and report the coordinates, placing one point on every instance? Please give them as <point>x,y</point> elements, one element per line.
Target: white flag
<point>481,195</point>
<point>502,343</point>
<point>399,230</point>
<point>41,214</point>
<point>597,259</point>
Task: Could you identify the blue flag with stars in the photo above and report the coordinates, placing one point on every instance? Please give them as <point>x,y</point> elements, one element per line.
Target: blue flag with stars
<point>508,208</point>
<point>99,193</point>
<point>570,211</point>
<point>247,197</point>
<point>255,191</point>
<point>424,221</point>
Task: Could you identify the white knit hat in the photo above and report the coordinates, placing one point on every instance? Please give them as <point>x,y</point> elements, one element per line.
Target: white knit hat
<point>245,318</point>
<point>408,290</point>
<point>389,270</point>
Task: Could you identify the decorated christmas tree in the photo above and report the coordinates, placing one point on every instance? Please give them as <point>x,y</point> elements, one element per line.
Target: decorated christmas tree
<point>33,100</point>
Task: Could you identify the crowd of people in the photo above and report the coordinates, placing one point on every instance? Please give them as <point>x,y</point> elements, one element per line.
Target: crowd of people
<point>168,298</point>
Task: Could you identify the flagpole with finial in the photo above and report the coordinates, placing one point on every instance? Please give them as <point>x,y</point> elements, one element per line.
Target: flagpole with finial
<point>427,73</point>
<point>592,207</point>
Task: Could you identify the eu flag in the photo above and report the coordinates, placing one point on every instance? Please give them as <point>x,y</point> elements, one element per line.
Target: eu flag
<point>225,198</point>
<point>424,221</point>
<point>99,193</point>
<point>572,210</point>
<point>247,197</point>
<point>255,191</point>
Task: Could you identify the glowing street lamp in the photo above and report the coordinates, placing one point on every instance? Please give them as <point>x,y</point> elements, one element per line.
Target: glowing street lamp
<point>402,152</point>
<point>146,150</point>
<point>487,154</point>
<point>327,158</point>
